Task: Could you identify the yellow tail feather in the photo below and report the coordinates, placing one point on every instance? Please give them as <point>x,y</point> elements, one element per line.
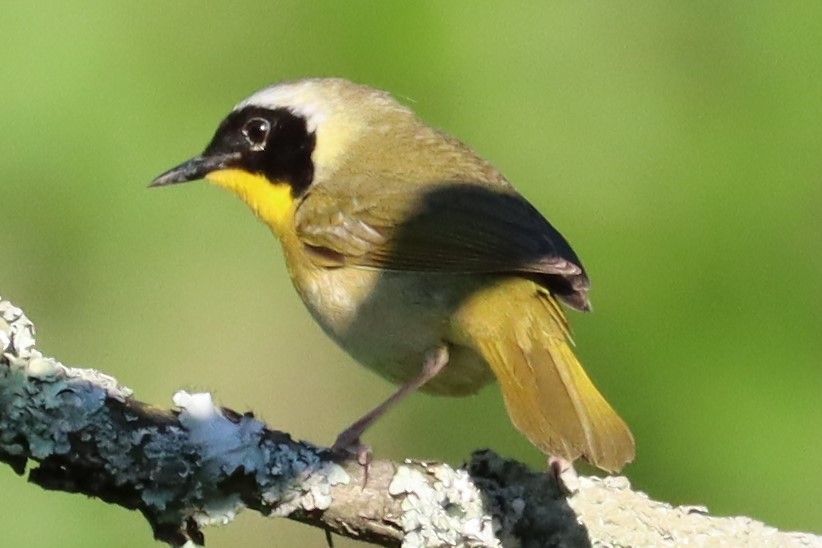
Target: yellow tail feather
<point>522,333</point>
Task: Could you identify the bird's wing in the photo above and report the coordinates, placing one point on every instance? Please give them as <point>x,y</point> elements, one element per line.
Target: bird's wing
<point>444,227</point>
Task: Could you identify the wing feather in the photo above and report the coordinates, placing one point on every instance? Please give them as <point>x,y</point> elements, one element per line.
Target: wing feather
<point>452,227</point>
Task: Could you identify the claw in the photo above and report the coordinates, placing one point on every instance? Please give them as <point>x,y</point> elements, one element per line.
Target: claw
<point>348,446</point>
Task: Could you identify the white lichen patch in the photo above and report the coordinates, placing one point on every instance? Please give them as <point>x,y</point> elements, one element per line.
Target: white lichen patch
<point>288,478</point>
<point>42,368</point>
<point>5,336</point>
<point>18,332</point>
<point>441,507</point>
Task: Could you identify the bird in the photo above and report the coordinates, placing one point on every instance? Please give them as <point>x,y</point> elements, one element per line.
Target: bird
<point>417,257</point>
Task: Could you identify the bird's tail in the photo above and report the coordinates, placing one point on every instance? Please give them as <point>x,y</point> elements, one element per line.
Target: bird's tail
<point>520,330</point>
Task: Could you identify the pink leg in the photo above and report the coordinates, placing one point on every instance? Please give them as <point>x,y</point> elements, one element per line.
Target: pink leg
<point>349,440</point>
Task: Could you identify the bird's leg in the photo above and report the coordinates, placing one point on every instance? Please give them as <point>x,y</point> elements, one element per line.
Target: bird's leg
<point>349,440</point>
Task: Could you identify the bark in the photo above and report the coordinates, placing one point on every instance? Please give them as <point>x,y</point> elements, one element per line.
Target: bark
<point>199,464</point>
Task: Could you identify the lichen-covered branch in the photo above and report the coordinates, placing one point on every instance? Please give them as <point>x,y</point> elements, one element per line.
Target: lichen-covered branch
<point>200,464</point>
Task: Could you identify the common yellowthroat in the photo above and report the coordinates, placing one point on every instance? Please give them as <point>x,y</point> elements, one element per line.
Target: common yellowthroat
<point>416,256</point>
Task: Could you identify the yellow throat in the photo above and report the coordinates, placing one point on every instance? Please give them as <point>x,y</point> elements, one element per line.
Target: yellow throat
<point>271,201</point>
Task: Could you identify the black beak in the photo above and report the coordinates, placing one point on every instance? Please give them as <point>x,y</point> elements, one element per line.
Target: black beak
<point>196,168</point>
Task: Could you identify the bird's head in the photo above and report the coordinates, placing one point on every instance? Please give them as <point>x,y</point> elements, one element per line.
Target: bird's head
<point>273,146</point>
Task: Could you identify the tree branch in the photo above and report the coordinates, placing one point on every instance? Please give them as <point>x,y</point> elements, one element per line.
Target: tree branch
<point>200,464</point>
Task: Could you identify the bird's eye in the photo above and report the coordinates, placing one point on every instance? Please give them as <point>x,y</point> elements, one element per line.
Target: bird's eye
<point>256,132</point>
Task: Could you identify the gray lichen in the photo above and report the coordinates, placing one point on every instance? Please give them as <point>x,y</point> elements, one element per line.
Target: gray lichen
<point>200,465</point>
<point>287,476</point>
<point>42,402</point>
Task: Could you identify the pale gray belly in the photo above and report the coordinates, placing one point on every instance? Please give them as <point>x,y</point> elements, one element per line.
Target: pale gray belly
<point>388,321</point>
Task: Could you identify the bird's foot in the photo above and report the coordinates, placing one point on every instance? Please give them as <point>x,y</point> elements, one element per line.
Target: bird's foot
<point>564,474</point>
<point>353,448</point>
<point>348,445</point>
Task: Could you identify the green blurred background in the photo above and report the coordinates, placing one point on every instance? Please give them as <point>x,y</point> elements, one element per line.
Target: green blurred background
<point>678,145</point>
